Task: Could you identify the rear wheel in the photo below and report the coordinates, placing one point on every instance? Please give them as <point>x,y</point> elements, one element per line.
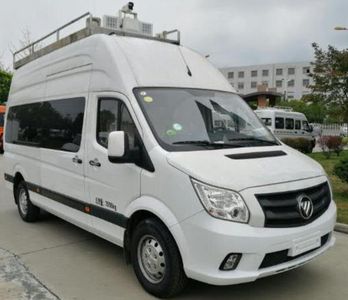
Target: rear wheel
<point>27,210</point>
<point>156,259</point>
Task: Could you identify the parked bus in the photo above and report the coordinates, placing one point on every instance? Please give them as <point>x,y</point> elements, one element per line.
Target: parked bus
<point>143,142</point>
<point>2,119</point>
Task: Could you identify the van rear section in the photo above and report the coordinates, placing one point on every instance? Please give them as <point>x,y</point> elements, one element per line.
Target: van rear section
<point>143,142</point>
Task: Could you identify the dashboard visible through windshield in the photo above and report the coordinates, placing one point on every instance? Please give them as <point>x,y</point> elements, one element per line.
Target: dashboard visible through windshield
<point>194,119</point>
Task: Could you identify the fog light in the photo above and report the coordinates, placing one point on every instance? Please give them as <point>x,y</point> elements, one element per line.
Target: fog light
<point>230,262</point>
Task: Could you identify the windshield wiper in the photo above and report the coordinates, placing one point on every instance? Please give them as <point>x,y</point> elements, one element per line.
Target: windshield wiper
<point>255,140</point>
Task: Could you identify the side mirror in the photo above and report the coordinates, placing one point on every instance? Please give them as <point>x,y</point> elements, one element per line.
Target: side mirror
<point>117,145</point>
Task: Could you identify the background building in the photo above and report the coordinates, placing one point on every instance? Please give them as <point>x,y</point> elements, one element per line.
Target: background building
<point>290,79</point>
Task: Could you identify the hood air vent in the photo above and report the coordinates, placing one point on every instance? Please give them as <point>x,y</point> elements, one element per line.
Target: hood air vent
<point>253,155</point>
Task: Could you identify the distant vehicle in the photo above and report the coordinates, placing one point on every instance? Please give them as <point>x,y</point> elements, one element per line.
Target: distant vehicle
<point>143,142</point>
<point>344,130</point>
<point>2,119</point>
<point>285,123</point>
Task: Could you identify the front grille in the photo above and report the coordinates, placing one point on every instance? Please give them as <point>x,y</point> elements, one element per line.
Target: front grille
<point>281,209</point>
<point>279,257</point>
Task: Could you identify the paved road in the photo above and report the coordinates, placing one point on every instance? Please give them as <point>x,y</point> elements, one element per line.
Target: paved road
<point>52,259</point>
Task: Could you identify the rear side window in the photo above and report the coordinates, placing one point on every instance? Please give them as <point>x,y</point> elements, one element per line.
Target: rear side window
<point>113,115</point>
<point>1,120</point>
<point>267,121</point>
<point>53,124</point>
<point>289,123</point>
<point>297,124</point>
<point>279,123</point>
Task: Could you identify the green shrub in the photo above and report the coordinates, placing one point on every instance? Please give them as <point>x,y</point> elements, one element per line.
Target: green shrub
<point>345,141</point>
<point>341,169</point>
<point>301,144</point>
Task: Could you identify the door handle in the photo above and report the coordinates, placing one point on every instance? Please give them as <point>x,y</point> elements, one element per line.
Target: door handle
<point>77,160</point>
<point>95,163</point>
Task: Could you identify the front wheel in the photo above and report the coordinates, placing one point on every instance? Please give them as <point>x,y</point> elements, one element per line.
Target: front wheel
<point>27,210</point>
<point>156,259</point>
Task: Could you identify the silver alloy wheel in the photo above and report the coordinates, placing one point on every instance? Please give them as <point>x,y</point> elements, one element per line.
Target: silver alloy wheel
<point>151,259</point>
<point>23,201</point>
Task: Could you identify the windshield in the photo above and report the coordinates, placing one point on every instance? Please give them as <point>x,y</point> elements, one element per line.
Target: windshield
<point>193,119</point>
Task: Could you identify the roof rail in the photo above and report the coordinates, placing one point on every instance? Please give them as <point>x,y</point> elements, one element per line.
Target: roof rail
<point>93,26</point>
<point>281,108</point>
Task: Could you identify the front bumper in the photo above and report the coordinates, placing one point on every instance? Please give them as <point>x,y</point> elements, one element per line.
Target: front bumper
<point>205,241</point>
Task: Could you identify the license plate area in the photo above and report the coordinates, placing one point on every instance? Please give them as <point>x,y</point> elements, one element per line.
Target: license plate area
<point>304,245</point>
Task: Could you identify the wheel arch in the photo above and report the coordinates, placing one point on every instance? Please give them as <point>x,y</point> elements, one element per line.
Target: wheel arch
<point>148,207</point>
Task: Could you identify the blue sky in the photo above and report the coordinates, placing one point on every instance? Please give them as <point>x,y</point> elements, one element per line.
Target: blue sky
<point>233,32</point>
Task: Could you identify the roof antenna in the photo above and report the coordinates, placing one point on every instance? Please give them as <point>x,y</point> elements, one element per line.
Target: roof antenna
<point>189,73</point>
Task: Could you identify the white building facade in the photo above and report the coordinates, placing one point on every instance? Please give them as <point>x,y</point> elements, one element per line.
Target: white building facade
<point>290,79</point>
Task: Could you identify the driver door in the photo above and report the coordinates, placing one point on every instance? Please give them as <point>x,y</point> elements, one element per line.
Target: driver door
<point>111,186</point>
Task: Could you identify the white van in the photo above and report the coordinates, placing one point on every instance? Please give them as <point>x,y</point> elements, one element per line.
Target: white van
<point>286,124</point>
<point>118,134</point>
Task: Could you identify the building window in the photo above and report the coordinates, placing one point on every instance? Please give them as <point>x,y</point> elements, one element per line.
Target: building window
<point>306,70</point>
<point>290,97</point>
<point>291,83</point>
<point>253,84</point>
<point>254,73</point>
<point>240,85</point>
<point>241,74</point>
<point>265,83</point>
<point>279,83</point>
<point>291,71</point>
<point>265,72</point>
<point>230,75</point>
<point>279,72</point>
<point>305,82</point>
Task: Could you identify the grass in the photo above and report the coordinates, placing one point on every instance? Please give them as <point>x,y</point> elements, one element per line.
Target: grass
<point>340,188</point>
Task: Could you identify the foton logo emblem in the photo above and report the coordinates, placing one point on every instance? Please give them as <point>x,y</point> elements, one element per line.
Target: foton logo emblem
<point>305,206</point>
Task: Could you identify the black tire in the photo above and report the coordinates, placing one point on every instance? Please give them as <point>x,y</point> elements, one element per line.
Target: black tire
<point>32,212</point>
<point>174,279</point>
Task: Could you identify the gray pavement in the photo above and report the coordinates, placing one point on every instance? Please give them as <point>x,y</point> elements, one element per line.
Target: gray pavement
<point>52,259</point>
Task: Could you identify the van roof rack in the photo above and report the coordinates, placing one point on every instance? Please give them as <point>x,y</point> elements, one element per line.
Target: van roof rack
<point>280,108</point>
<point>93,26</point>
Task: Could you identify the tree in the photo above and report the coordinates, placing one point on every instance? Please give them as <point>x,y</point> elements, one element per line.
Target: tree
<point>314,110</point>
<point>330,76</point>
<point>5,83</point>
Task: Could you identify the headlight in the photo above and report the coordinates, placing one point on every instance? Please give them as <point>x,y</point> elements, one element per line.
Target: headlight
<point>222,203</point>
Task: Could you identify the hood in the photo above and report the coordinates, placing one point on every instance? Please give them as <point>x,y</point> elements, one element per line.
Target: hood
<point>242,168</point>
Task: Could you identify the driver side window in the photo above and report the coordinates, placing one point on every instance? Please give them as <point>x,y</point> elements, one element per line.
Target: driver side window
<point>113,115</point>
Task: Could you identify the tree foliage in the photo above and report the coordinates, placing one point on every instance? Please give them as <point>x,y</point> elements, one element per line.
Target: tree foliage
<point>314,110</point>
<point>330,76</point>
<point>5,83</point>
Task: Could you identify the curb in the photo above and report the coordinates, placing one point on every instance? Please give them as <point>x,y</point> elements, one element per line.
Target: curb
<point>343,228</point>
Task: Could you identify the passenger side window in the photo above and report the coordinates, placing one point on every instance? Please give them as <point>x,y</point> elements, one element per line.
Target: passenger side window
<point>289,123</point>
<point>279,123</point>
<point>297,124</point>
<point>55,124</point>
<point>113,115</point>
